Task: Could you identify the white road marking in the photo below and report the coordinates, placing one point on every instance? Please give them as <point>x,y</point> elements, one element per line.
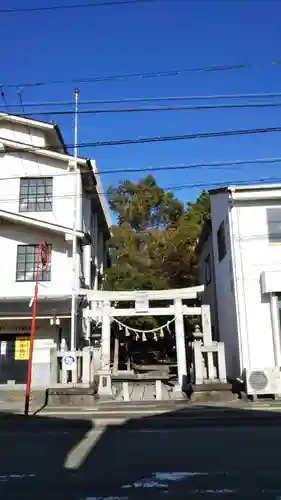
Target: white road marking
<point>79,453</point>
<point>215,491</point>
<point>4,478</point>
<point>161,479</point>
<point>105,498</point>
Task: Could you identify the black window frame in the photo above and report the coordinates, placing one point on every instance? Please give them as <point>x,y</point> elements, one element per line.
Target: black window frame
<point>274,237</point>
<point>27,254</point>
<point>207,270</point>
<point>221,241</point>
<point>36,194</point>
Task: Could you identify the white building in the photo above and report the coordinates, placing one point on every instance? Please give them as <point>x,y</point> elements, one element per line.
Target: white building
<point>240,265</point>
<point>37,186</point>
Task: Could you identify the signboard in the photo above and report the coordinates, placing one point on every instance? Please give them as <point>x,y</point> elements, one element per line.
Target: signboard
<point>141,303</point>
<point>3,348</point>
<point>22,346</point>
<point>69,361</point>
<point>44,254</point>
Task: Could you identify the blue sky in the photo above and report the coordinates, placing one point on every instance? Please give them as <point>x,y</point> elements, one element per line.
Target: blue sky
<point>67,44</point>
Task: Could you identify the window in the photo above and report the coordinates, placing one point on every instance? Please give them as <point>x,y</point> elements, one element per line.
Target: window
<point>36,194</point>
<point>274,224</point>
<point>26,264</point>
<point>207,270</point>
<point>221,242</point>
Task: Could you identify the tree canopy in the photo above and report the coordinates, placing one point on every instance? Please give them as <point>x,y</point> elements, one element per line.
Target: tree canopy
<point>153,243</point>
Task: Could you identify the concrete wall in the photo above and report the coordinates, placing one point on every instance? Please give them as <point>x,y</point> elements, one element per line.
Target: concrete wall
<point>208,279</point>
<point>21,133</point>
<point>225,293</point>
<point>46,337</point>
<point>15,166</point>
<point>254,254</point>
<point>12,235</point>
<point>243,311</point>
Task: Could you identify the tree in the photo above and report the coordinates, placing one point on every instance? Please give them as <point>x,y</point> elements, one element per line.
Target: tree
<point>144,205</point>
<point>182,256</point>
<point>153,245</point>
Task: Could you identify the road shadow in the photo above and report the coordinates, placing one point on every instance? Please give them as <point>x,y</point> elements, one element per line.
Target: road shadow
<point>214,450</point>
<point>184,453</point>
<point>34,456</point>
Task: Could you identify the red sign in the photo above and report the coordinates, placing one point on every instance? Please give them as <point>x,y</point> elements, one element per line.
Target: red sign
<point>44,254</point>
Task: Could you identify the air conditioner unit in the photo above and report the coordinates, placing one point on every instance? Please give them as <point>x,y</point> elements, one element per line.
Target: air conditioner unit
<point>263,381</point>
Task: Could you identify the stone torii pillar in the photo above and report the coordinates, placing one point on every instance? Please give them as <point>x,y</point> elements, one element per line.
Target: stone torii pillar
<point>180,344</point>
<point>105,387</point>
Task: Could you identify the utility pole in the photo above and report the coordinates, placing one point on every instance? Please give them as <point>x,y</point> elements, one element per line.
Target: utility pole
<point>43,260</point>
<point>73,340</point>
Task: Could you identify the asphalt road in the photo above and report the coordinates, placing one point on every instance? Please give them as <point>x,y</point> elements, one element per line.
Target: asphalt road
<point>73,459</point>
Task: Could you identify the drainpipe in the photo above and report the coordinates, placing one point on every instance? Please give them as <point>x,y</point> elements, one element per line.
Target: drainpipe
<point>275,321</point>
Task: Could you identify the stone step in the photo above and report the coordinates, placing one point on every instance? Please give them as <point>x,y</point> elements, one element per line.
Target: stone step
<point>212,392</point>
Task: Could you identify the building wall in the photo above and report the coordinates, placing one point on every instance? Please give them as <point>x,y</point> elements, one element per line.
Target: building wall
<point>13,167</point>
<point>208,279</point>
<point>225,291</point>
<point>46,337</point>
<point>254,254</point>
<point>21,133</point>
<point>16,165</point>
<point>12,235</point>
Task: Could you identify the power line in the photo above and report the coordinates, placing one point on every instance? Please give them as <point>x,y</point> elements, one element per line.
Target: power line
<point>177,187</point>
<point>180,166</point>
<point>198,135</point>
<point>152,74</point>
<point>153,109</point>
<point>80,6</point>
<point>263,95</point>
<point>191,166</point>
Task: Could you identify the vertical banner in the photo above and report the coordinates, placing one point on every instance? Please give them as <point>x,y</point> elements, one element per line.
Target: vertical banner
<point>22,346</point>
<point>3,348</point>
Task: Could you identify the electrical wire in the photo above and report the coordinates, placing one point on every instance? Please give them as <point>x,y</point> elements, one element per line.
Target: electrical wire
<point>262,95</point>
<point>199,135</point>
<point>152,74</point>
<point>178,187</point>
<point>2,93</point>
<point>144,140</point>
<point>110,3</point>
<point>153,108</point>
<point>171,167</point>
<point>191,166</point>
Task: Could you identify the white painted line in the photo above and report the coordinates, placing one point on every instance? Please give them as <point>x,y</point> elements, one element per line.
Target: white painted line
<point>104,412</point>
<point>263,408</point>
<point>161,479</point>
<point>4,478</point>
<point>183,429</point>
<point>177,476</point>
<point>214,491</point>
<point>79,453</point>
<point>105,498</point>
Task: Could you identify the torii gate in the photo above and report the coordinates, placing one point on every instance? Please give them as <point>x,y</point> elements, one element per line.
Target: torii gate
<point>102,308</point>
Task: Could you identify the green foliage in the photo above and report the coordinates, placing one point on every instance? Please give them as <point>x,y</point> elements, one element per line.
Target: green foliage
<point>143,205</point>
<point>153,245</point>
